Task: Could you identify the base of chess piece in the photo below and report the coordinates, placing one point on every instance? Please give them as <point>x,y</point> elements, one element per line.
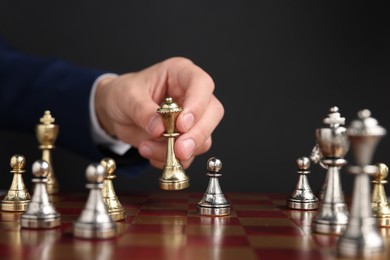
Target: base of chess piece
<point>332,217</point>
<point>35,222</point>
<point>310,205</point>
<point>118,215</point>
<point>93,231</point>
<point>211,210</point>
<point>14,206</point>
<point>174,178</point>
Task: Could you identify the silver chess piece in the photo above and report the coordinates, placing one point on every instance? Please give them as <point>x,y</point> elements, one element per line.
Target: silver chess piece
<point>40,213</point>
<point>362,237</point>
<point>316,158</point>
<point>302,197</point>
<point>332,217</point>
<point>214,202</point>
<point>95,222</point>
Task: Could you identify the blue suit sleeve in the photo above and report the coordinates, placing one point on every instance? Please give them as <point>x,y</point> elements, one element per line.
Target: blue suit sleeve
<point>30,85</point>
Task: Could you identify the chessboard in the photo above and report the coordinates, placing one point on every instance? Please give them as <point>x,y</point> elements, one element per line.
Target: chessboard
<point>166,225</point>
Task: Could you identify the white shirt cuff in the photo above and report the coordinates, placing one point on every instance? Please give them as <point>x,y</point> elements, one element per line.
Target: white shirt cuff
<point>99,136</point>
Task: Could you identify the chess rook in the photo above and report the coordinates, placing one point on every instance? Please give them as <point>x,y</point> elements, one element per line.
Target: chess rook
<point>303,197</point>
<point>214,202</point>
<point>113,205</point>
<point>17,198</point>
<point>379,201</point>
<point>46,133</point>
<point>173,176</point>
<point>362,237</point>
<point>94,221</point>
<point>40,213</point>
<point>332,217</point>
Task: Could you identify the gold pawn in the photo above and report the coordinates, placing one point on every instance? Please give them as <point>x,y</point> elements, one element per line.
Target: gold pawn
<point>47,133</point>
<point>114,207</point>
<point>379,201</point>
<point>17,197</point>
<point>173,176</point>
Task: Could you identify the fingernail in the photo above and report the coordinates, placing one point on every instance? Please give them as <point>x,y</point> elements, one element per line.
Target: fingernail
<point>145,151</point>
<point>188,120</point>
<point>189,146</point>
<point>153,123</point>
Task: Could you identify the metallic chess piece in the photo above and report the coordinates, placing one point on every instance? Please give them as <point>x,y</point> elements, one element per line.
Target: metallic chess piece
<point>379,201</point>
<point>362,237</point>
<point>316,157</point>
<point>332,217</point>
<point>302,197</point>
<point>40,213</point>
<point>95,222</point>
<point>114,207</point>
<point>47,133</point>
<point>173,176</point>
<point>17,198</point>
<point>214,202</point>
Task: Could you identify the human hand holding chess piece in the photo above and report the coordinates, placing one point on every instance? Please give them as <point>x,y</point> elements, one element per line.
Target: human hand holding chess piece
<point>126,109</point>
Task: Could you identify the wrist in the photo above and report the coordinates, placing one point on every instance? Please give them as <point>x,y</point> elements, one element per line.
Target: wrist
<point>100,103</point>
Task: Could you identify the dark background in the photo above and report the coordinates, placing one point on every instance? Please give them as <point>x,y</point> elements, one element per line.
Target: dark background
<point>278,67</point>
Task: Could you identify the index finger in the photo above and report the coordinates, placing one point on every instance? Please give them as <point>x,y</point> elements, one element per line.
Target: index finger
<point>193,87</point>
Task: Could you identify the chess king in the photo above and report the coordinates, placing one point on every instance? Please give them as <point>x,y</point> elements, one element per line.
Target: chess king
<point>333,143</point>
<point>173,176</point>
<point>47,133</point>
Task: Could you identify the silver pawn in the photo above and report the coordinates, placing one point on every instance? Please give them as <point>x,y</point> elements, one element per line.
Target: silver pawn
<point>303,197</point>
<point>214,202</point>
<point>95,222</point>
<point>40,213</point>
<point>332,216</point>
<point>362,237</point>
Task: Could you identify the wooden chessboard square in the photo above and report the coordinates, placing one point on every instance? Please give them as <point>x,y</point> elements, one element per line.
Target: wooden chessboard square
<point>212,230</point>
<point>280,222</point>
<point>260,213</point>
<point>291,254</point>
<point>226,253</point>
<point>160,220</point>
<point>165,240</point>
<point>206,220</point>
<point>217,239</point>
<point>273,230</point>
<point>162,212</point>
<point>155,229</point>
<point>281,241</point>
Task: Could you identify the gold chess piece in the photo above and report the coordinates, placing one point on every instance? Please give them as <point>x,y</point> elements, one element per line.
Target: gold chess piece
<point>17,197</point>
<point>47,133</point>
<point>114,207</point>
<point>173,176</point>
<point>379,201</point>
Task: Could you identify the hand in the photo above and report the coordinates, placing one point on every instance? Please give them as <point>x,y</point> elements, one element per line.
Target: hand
<point>126,108</point>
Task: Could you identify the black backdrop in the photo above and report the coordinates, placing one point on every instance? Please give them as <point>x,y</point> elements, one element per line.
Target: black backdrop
<point>278,67</point>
